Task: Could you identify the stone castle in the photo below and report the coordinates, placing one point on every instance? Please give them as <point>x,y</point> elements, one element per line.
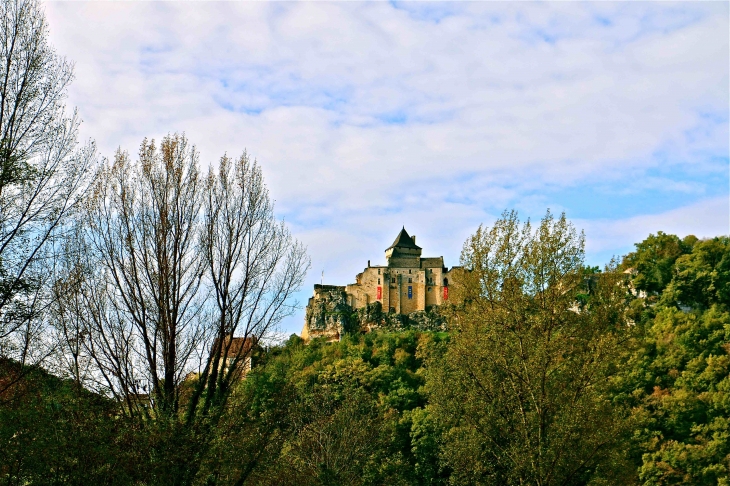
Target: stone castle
<point>405,292</point>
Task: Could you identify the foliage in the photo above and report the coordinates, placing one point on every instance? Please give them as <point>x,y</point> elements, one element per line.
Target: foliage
<point>54,432</point>
<point>654,259</point>
<point>539,381</point>
<point>524,386</point>
<point>679,379</point>
<point>350,412</point>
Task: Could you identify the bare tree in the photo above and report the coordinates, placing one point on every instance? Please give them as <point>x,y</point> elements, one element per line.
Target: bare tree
<point>144,229</point>
<point>66,314</point>
<point>186,274</point>
<point>254,265</point>
<point>43,174</point>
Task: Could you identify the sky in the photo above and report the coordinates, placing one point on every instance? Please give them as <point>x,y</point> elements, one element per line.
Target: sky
<point>367,117</point>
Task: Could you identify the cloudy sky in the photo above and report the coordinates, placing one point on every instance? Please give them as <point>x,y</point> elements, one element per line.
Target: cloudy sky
<point>436,116</point>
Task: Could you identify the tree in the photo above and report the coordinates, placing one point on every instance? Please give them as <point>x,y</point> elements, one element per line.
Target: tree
<point>172,282</point>
<point>653,260</point>
<point>53,431</point>
<point>253,265</point>
<point>43,174</point>
<point>702,278</point>
<point>144,301</point>
<point>678,378</point>
<point>522,389</point>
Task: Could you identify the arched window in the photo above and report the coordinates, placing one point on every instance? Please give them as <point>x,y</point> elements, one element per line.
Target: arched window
<point>446,282</point>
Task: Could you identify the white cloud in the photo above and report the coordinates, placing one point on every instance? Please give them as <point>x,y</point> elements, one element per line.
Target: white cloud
<point>367,116</point>
<point>704,219</point>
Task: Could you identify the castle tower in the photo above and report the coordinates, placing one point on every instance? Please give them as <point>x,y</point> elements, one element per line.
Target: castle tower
<point>403,252</point>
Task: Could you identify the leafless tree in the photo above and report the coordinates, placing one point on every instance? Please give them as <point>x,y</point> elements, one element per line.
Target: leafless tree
<point>66,312</point>
<point>144,229</point>
<point>43,173</point>
<point>253,265</point>
<point>183,271</point>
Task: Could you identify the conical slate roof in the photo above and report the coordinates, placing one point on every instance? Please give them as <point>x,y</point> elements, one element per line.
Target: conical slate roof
<point>403,240</point>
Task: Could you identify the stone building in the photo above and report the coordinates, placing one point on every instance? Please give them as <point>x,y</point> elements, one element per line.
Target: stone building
<point>407,284</point>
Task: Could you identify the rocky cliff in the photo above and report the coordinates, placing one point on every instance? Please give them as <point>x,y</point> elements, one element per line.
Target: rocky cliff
<point>329,315</point>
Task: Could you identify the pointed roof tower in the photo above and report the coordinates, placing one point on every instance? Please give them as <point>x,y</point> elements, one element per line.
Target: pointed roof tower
<point>403,252</point>
<point>403,240</point>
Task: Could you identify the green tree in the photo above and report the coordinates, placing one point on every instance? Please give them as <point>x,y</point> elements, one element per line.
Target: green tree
<point>702,278</point>
<point>346,413</point>
<point>523,388</point>
<point>678,379</point>
<point>54,432</point>
<point>653,261</point>
<point>684,373</point>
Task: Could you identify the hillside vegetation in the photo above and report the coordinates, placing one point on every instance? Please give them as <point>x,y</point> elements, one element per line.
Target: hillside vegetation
<point>631,387</point>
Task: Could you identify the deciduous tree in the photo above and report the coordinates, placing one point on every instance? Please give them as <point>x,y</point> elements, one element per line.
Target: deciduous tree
<point>43,173</point>
<point>523,386</point>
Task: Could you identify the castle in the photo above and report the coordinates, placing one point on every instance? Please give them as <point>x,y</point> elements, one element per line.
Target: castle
<point>408,285</point>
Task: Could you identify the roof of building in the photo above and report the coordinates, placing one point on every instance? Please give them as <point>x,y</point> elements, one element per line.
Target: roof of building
<point>239,345</point>
<point>403,240</point>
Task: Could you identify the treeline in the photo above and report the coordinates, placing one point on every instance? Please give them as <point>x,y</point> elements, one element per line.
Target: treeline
<point>618,378</point>
<point>134,293</point>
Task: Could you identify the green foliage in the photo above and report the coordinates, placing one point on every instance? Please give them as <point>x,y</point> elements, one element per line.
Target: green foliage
<point>539,381</point>
<point>654,259</point>
<point>350,412</point>
<point>702,278</point>
<point>679,379</point>
<point>523,389</point>
<point>53,432</point>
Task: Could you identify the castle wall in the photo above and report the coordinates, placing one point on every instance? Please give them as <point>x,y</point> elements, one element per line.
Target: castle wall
<point>427,286</point>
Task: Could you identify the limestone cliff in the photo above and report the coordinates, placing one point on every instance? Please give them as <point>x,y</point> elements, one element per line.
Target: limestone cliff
<point>329,315</point>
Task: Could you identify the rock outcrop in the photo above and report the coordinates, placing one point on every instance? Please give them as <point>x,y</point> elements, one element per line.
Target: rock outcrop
<point>329,315</point>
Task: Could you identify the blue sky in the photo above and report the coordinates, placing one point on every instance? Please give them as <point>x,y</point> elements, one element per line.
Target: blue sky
<point>436,116</point>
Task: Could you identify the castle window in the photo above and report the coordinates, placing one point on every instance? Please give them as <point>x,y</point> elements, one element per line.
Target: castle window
<point>378,281</point>
<point>410,280</point>
<point>446,282</point>
<point>409,270</point>
<point>378,273</point>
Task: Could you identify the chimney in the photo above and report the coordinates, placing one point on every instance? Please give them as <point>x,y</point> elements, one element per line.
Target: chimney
<point>368,263</point>
<point>414,239</point>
